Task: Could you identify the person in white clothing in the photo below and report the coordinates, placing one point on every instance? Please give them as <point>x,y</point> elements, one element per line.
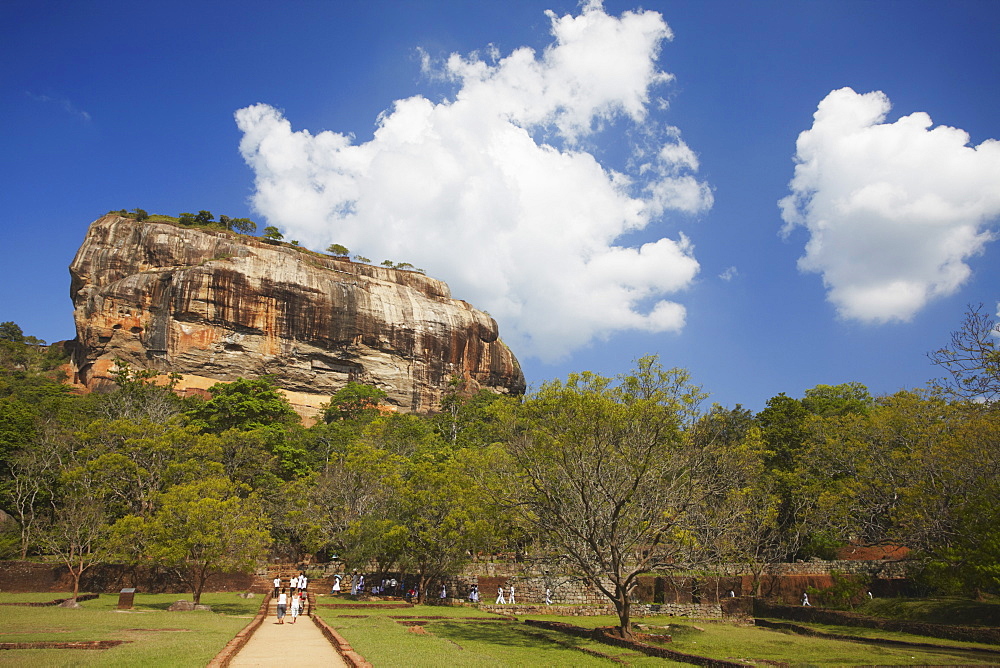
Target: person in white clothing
<point>548,596</point>
<point>805,599</point>
<point>277,585</point>
<point>512,594</point>
<point>296,606</point>
<point>282,605</point>
<point>500,599</point>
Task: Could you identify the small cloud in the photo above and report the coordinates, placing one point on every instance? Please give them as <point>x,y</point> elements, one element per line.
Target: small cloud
<point>893,210</point>
<point>62,103</point>
<point>729,274</point>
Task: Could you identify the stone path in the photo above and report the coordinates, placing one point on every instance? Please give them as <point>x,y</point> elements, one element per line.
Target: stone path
<point>300,644</point>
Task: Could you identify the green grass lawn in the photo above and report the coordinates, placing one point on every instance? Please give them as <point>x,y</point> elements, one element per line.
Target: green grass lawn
<point>945,610</point>
<point>463,636</point>
<point>452,635</point>
<point>460,640</point>
<point>158,637</point>
<point>727,641</point>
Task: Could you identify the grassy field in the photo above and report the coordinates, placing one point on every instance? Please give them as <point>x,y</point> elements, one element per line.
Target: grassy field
<point>157,637</point>
<point>458,636</point>
<point>958,611</point>
<point>453,636</point>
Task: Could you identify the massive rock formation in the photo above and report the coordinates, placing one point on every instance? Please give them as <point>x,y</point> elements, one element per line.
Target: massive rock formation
<point>217,306</point>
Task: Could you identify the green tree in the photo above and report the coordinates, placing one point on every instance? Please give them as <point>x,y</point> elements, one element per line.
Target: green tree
<point>32,482</point>
<point>10,331</point>
<point>271,233</point>
<point>200,529</point>
<point>243,404</point>
<point>602,470</point>
<point>139,214</point>
<point>831,400</point>
<point>354,401</point>
<point>187,219</point>
<point>76,533</point>
<point>338,249</point>
<point>444,517</point>
<point>204,217</point>
<point>128,464</point>
<point>139,397</point>
<point>243,225</point>
<point>466,419</point>
<point>783,426</point>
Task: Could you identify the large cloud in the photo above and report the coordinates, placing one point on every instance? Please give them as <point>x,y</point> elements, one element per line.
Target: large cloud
<point>493,191</point>
<point>893,209</point>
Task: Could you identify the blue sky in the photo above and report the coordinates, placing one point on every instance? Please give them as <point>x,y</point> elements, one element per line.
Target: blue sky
<point>611,192</point>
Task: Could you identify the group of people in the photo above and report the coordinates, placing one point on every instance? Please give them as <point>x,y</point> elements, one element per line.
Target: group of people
<point>385,587</point>
<point>394,587</point>
<point>296,597</point>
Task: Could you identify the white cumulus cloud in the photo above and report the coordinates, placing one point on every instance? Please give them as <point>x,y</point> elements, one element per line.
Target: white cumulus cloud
<point>493,191</point>
<point>893,210</point>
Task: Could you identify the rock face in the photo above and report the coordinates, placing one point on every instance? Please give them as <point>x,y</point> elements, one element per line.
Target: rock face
<point>217,306</point>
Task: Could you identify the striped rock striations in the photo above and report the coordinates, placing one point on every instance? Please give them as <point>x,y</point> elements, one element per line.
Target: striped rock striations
<point>215,306</point>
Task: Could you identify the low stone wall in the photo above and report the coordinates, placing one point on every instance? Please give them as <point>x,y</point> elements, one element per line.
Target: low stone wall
<point>27,576</point>
<point>53,603</point>
<point>782,582</point>
<point>351,657</point>
<point>698,610</point>
<point>561,610</point>
<point>56,644</point>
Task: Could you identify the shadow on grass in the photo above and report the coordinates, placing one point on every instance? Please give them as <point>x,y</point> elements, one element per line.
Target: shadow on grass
<point>499,633</point>
<point>231,609</point>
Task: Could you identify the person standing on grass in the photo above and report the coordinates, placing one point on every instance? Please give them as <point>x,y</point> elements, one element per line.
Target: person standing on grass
<point>805,599</point>
<point>548,596</point>
<point>500,599</point>
<point>282,605</point>
<point>335,589</point>
<point>512,593</point>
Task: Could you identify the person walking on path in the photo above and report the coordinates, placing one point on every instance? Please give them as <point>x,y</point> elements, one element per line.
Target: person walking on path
<point>296,606</point>
<point>277,585</point>
<point>500,599</point>
<point>282,605</point>
<point>293,645</point>
<point>805,599</point>
<point>303,582</point>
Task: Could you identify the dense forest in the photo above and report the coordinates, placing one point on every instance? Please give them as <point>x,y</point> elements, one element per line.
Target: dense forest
<point>604,477</point>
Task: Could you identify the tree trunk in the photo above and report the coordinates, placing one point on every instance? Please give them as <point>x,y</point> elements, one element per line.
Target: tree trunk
<point>422,589</point>
<point>624,608</point>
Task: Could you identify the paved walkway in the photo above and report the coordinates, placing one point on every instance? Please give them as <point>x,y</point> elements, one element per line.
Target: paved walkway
<point>300,644</point>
